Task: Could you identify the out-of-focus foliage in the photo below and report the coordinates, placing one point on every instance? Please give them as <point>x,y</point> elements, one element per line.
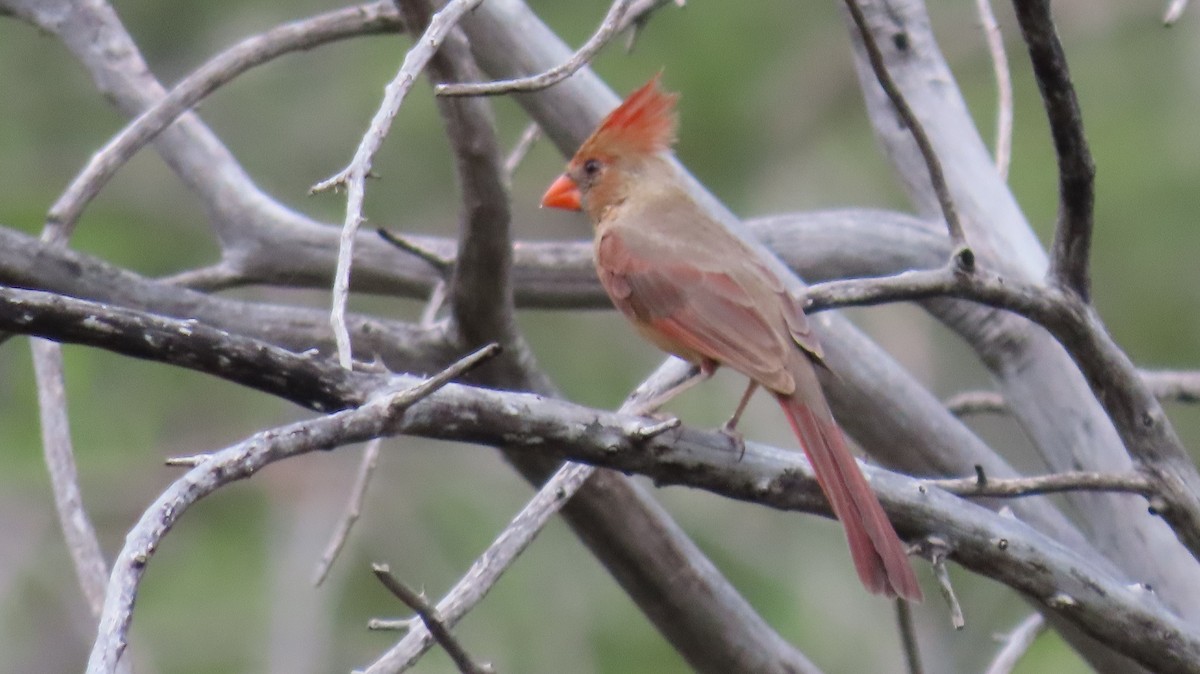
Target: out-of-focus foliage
<point>772,121</point>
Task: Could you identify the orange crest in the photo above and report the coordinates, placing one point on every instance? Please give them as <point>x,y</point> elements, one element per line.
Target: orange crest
<point>642,125</point>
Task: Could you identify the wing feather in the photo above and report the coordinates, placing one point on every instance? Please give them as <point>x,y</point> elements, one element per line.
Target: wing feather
<point>735,319</point>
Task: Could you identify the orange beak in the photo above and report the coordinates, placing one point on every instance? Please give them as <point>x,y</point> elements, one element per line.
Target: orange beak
<point>563,193</point>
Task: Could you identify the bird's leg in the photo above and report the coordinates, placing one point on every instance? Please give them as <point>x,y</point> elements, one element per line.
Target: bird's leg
<point>730,427</point>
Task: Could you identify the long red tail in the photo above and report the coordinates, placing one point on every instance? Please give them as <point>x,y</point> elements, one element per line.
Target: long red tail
<point>879,555</point>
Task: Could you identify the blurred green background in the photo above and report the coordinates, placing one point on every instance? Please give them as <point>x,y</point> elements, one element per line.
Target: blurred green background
<point>771,121</point>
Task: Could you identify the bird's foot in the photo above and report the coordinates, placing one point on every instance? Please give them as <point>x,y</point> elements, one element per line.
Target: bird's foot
<point>735,438</point>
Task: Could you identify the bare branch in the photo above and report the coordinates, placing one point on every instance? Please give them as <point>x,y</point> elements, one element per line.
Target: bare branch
<point>1166,385</point>
<point>486,570</point>
<point>1065,415</point>
<point>639,15</point>
<point>358,494</point>
<point>1136,414</point>
<point>480,287</point>
<point>354,176</point>
<point>433,306</point>
<point>1133,483</point>
<point>253,51</point>
<point>1173,385</point>
<point>517,536</point>
<point>207,279</point>
<point>27,263</point>
<point>187,461</point>
<point>432,621</point>
<point>938,550</point>
<point>234,463</point>
<point>315,383</point>
<point>936,176</point>
<point>1045,306</point>
<point>84,547</point>
<point>1174,12</point>
<point>908,636</point>
<point>1004,92</point>
<point>528,137</point>
<point>1076,170</point>
<point>976,402</point>
<point>609,27</point>
<point>1016,644</point>
<point>391,625</point>
<point>782,479</point>
<point>619,520</point>
<point>1002,547</point>
<point>441,264</point>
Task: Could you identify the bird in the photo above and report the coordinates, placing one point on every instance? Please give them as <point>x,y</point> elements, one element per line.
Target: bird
<point>696,290</point>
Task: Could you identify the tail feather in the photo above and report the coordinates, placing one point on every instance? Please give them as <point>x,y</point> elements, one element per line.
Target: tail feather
<point>879,555</point>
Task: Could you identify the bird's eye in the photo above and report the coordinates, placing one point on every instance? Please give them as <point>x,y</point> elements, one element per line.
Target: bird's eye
<point>591,167</point>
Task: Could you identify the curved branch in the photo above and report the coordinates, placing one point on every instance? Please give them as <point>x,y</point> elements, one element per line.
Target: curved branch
<point>353,178</point>
<point>82,543</point>
<point>612,24</point>
<point>480,286</point>
<point>1132,483</point>
<point>1004,93</point>
<point>937,177</point>
<point>313,382</point>
<point>219,70</point>
<point>1076,170</point>
<point>1074,587</point>
<point>1061,580</point>
<point>238,463</point>
<point>1058,407</point>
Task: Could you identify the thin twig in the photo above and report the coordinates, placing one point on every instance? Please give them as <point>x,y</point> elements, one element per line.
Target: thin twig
<point>554,430</point>
<point>432,621</point>
<point>358,494</point>
<point>1016,644</point>
<point>1076,171</point>
<point>315,383</point>
<point>655,430</point>
<point>488,568</point>
<point>976,402</point>
<point>354,176</point>
<point>1133,483</point>
<point>239,462</point>
<point>216,72</point>
<point>528,137</point>
<point>517,536</point>
<point>187,461</point>
<point>433,305</point>
<point>937,176</point>
<point>609,27</point>
<point>480,288</point>
<point>1040,304</point>
<point>84,547</point>
<point>391,624</point>
<point>1179,386</point>
<point>1004,92</point>
<point>639,16</point>
<point>209,279</point>
<point>1174,12</point>
<point>908,636</point>
<point>937,550</point>
<point>441,264</point>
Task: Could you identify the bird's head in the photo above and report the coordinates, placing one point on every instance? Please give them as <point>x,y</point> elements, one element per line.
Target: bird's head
<point>610,160</point>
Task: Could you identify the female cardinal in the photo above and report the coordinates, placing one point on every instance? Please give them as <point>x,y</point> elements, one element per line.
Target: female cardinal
<point>696,290</point>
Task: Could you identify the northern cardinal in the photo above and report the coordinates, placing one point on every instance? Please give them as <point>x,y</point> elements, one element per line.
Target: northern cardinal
<point>696,290</point>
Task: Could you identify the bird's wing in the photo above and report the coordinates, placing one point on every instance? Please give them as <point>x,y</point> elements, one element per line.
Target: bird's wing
<point>720,307</point>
